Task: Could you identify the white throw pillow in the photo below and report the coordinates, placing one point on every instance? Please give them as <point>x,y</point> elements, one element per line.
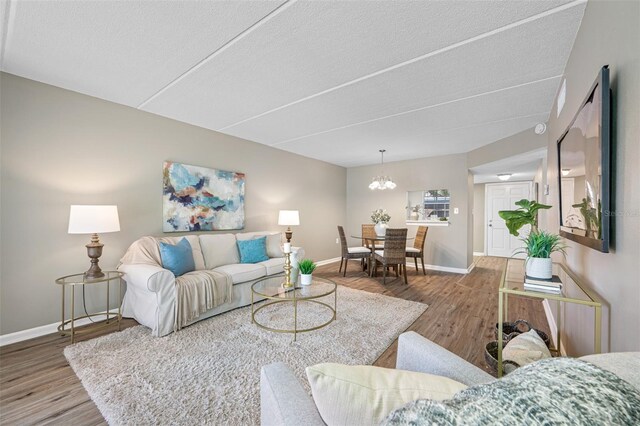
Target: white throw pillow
<point>526,348</point>
<point>364,394</point>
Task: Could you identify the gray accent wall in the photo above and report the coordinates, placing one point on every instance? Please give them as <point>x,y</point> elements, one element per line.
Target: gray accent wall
<point>445,246</point>
<point>61,148</point>
<point>609,34</point>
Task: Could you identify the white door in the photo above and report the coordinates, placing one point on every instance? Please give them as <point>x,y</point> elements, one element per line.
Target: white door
<point>503,196</point>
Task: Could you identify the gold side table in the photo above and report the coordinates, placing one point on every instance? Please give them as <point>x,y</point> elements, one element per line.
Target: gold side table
<point>68,327</point>
<point>512,283</point>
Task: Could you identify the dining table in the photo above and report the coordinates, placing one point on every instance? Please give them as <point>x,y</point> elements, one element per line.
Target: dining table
<point>370,242</point>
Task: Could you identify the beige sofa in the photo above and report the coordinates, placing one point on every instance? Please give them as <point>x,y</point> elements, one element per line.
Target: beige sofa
<point>151,295</point>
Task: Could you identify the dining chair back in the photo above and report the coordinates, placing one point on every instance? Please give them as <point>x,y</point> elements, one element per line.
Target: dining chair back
<point>393,254</point>
<point>417,251</point>
<point>368,233</point>
<point>361,253</point>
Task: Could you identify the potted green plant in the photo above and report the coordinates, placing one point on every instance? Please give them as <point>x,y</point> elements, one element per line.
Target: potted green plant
<point>380,218</point>
<point>538,246</point>
<point>306,267</point>
<point>525,214</point>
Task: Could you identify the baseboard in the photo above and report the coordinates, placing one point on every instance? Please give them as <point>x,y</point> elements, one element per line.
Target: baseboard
<point>19,336</point>
<point>479,253</point>
<point>328,261</point>
<point>553,328</point>
<point>442,268</point>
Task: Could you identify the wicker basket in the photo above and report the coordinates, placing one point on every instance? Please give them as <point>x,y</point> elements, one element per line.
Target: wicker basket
<point>517,327</point>
<point>491,357</point>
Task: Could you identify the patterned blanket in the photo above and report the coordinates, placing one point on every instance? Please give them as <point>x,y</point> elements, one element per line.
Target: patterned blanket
<point>556,391</point>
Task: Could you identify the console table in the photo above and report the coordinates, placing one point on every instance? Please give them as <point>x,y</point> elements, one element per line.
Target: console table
<point>512,283</point>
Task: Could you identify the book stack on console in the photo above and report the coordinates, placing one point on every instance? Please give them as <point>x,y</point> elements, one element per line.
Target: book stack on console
<point>553,285</point>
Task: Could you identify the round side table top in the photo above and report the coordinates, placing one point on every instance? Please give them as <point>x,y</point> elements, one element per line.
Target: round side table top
<point>271,288</point>
<point>80,279</point>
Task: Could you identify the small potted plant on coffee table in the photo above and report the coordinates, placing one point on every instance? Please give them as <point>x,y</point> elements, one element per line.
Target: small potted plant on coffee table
<point>306,267</point>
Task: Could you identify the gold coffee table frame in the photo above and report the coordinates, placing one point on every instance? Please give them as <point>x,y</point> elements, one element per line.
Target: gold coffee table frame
<point>78,280</point>
<point>512,282</point>
<point>275,293</point>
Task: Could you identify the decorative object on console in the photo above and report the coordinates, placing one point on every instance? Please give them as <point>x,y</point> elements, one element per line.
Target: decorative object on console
<point>93,220</point>
<point>525,214</point>
<point>538,247</point>
<point>288,218</point>
<point>382,181</point>
<point>380,218</point>
<point>201,199</point>
<point>306,267</point>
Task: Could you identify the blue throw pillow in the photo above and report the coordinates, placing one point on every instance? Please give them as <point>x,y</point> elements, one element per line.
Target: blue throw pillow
<point>253,251</point>
<point>179,258</point>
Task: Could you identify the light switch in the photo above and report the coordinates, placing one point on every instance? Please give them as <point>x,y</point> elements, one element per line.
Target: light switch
<point>456,210</point>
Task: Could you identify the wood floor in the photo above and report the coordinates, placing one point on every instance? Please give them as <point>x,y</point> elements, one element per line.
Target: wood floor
<point>37,386</point>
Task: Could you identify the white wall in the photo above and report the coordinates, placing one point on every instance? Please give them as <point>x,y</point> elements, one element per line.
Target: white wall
<point>61,148</point>
<point>609,34</point>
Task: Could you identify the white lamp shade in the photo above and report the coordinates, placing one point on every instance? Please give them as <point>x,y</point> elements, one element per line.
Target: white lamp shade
<point>288,218</point>
<point>93,219</point>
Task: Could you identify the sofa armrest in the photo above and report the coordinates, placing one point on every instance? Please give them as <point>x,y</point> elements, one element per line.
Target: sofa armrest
<point>147,277</point>
<point>416,353</point>
<point>283,400</point>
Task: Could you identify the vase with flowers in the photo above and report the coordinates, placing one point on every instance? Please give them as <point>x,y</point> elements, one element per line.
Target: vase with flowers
<point>380,218</point>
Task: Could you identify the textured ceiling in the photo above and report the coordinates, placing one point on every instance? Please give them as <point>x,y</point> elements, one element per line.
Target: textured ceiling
<point>334,81</point>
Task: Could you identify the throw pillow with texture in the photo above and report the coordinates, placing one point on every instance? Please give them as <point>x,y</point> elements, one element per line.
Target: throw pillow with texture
<point>364,394</point>
<point>526,348</point>
<point>177,258</point>
<point>554,391</point>
<point>253,251</point>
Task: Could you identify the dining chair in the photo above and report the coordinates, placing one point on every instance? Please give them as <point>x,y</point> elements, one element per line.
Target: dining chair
<point>417,251</point>
<point>393,254</point>
<point>369,231</point>
<point>362,253</point>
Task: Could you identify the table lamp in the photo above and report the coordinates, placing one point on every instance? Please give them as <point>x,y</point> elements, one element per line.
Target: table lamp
<point>93,220</point>
<point>288,218</point>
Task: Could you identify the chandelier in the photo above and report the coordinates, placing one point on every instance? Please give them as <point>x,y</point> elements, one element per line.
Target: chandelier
<point>382,182</point>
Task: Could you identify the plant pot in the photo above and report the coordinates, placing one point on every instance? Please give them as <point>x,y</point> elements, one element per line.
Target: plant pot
<point>306,279</point>
<point>537,267</point>
<point>381,229</point>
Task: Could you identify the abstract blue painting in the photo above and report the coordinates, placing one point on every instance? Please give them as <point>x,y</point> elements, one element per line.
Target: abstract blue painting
<point>201,199</point>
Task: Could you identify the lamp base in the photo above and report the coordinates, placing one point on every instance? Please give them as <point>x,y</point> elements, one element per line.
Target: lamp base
<point>94,251</point>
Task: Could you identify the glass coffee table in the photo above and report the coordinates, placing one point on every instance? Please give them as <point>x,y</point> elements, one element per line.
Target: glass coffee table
<point>271,288</point>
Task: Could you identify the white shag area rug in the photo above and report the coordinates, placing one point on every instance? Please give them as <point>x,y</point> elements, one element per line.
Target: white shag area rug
<point>209,373</point>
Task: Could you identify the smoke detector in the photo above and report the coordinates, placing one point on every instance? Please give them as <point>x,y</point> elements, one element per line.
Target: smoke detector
<point>540,128</point>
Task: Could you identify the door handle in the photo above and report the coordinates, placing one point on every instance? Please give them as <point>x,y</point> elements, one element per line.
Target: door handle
<point>490,225</point>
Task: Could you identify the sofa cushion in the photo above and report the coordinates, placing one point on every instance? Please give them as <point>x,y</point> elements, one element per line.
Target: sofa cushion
<point>364,394</point>
<point>177,258</point>
<point>274,265</point>
<point>253,251</point>
<point>242,272</point>
<point>274,241</point>
<point>219,249</point>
